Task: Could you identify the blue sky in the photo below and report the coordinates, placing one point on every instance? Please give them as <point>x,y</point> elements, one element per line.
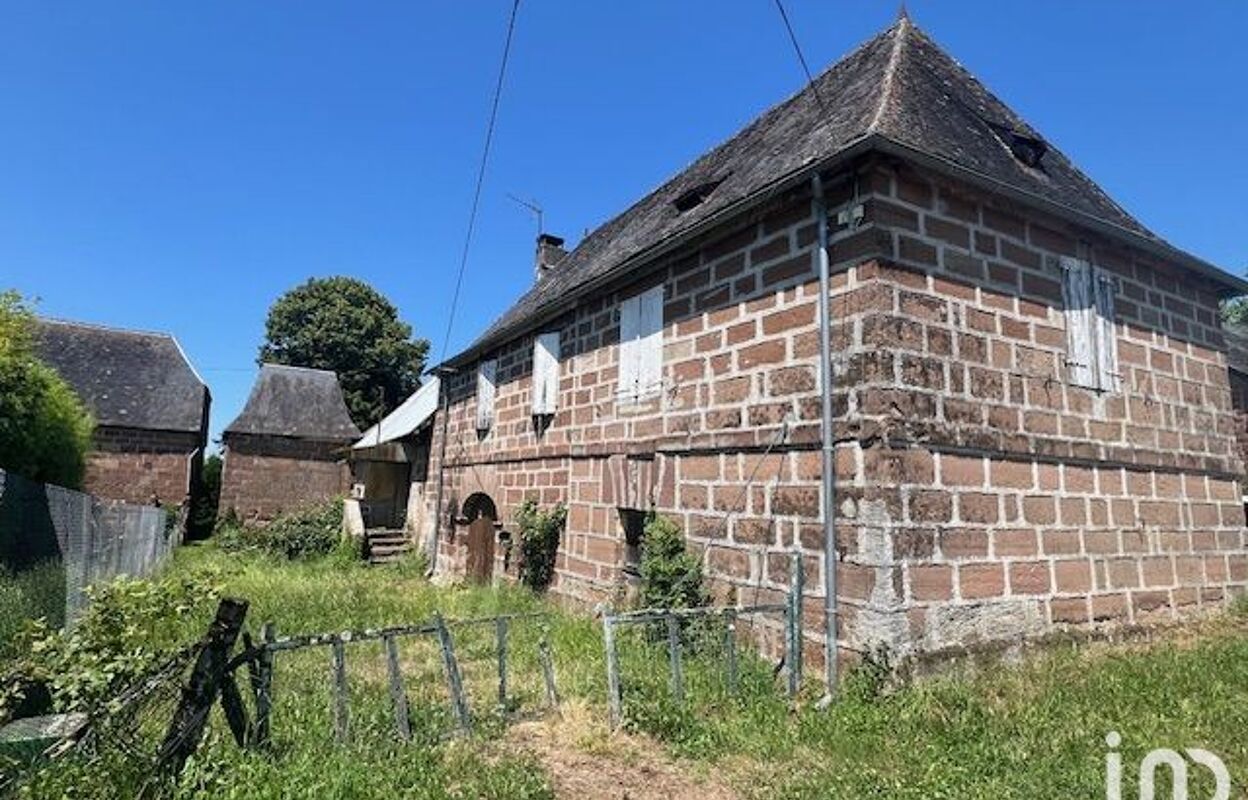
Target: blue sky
<point>176,166</point>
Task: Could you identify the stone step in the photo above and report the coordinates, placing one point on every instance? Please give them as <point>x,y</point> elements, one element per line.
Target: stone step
<point>386,550</point>
<point>389,542</point>
<point>391,558</point>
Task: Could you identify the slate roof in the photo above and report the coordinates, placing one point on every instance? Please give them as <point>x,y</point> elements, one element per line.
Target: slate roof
<point>898,91</point>
<point>297,402</point>
<point>127,378</point>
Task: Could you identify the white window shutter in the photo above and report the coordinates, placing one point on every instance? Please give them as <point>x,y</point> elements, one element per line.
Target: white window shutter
<point>1081,313</point>
<point>546,373</point>
<point>650,343</point>
<point>486,375</point>
<point>1107,340</point>
<point>630,325</point>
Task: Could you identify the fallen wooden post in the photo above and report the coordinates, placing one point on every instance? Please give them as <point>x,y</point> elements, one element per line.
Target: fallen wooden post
<point>187,726</point>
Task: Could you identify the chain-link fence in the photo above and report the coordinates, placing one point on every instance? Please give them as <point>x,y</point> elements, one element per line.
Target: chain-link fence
<point>56,542</point>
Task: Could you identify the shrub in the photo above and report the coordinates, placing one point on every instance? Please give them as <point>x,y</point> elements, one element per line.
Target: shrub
<point>45,430</point>
<point>129,625</point>
<point>312,531</point>
<point>671,576</point>
<point>540,532</point>
<point>37,592</point>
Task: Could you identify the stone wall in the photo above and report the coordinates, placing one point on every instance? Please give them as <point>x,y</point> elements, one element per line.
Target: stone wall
<point>141,466</point>
<point>263,476</point>
<point>980,497</point>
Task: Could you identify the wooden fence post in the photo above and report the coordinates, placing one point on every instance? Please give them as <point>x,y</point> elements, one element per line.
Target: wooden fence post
<point>548,670</point>
<point>613,671</point>
<point>794,619</point>
<point>262,685</point>
<point>500,642</point>
<point>673,658</point>
<point>187,726</point>
<point>730,648</point>
<point>454,680</point>
<point>338,676</point>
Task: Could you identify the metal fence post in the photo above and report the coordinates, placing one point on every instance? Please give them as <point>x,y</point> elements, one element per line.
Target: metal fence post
<point>500,640</point>
<point>454,681</point>
<point>339,678</point>
<point>613,671</point>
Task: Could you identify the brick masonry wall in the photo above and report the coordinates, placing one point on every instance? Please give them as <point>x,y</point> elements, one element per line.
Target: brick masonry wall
<point>263,476</point>
<point>139,466</point>
<point>949,342</point>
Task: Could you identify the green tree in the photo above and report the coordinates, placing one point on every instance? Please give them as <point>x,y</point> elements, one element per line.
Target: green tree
<point>45,430</point>
<point>1235,311</point>
<point>345,325</point>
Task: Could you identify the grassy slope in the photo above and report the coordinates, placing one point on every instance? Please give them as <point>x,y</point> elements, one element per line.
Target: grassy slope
<point>1034,731</point>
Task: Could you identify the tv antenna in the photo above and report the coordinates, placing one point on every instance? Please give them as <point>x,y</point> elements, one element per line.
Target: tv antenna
<point>533,208</point>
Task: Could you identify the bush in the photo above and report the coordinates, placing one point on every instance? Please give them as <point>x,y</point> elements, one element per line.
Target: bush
<point>671,576</point>
<point>309,532</point>
<point>45,430</point>
<point>129,625</point>
<point>540,532</point>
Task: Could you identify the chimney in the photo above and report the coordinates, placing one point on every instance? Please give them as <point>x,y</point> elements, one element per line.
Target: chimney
<point>549,253</point>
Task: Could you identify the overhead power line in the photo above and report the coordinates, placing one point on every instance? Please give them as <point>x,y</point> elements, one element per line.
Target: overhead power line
<point>476,192</point>
<point>797,48</point>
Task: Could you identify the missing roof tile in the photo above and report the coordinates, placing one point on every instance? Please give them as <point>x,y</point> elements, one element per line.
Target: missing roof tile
<point>1029,150</point>
<point>697,195</point>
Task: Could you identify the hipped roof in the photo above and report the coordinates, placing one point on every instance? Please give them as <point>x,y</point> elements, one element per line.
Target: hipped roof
<point>297,402</point>
<point>132,379</point>
<point>897,93</point>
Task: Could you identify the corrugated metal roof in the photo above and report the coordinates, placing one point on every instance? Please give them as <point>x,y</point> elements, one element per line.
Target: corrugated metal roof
<point>404,420</point>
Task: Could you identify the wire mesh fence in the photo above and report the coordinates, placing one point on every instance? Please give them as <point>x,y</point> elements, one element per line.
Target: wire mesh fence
<point>55,543</point>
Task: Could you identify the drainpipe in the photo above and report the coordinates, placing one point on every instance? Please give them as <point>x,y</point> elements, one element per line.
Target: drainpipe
<point>431,544</point>
<point>829,447</point>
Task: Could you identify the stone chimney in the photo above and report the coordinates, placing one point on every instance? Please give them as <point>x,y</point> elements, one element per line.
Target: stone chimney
<point>549,253</point>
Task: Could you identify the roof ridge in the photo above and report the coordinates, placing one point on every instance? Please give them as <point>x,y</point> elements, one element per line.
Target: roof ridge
<point>270,364</point>
<point>903,27</point>
<point>99,326</point>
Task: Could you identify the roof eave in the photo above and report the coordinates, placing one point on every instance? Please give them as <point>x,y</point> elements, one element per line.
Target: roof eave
<point>871,142</point>
<point>1232,284</point>
<point>646,257</point>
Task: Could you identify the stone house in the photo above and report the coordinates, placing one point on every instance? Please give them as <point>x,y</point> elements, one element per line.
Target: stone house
<point>149,404</point>
<point>1032,411</point>
<point>287,448</point>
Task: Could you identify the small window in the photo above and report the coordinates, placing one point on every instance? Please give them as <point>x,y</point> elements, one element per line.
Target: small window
<point>1091,343</point>
<point>486,375</point>
<point>641,346</point>
<point>546,374</point>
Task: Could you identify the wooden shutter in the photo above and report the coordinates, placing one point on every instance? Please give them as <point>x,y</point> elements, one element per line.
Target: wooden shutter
<point>650,343</point>
<point>630,324</point>
<point>1108,378</point>
<point>1081,329</point>
<point>546,373</point>
<point>486,374</point>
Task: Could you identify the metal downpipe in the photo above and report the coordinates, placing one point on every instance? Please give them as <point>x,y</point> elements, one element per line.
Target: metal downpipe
<point>828,441</point>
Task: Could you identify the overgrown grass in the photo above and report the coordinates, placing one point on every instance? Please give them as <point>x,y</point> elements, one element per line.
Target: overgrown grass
<point>1030,731</point>
<point>32,594</point>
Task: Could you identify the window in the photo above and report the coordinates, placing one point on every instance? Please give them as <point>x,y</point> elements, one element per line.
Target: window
<point>641,346</point>
<point>546,374</point>
<point>486,374</point>
<point>1091,345</point>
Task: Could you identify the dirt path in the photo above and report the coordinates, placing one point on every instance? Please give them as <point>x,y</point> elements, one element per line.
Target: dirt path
<point>584,762</point>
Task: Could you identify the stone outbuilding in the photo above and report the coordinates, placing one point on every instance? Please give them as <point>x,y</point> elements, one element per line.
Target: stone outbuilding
<point>149,404</point>
<point>288,446</point>
<point>1031,420</point>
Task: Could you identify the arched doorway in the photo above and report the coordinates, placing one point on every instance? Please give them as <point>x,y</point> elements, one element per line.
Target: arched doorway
<point>480,513</point>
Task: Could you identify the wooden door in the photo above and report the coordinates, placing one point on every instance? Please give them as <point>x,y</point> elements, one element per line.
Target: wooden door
<point>481,550</point>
